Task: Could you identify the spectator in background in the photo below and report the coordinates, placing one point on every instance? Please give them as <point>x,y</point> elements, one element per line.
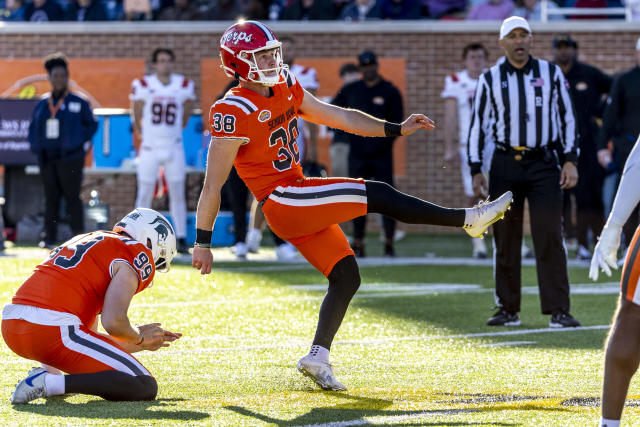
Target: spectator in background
<point>361,10</point>
<point>634,5</point>
<point>86,10</point>
<point>340,145</point>
<point>310,10</point>
<point>587,86</point>
<point>401,9</point>
<point>1,231</point>
<point>13,11</point>
<point>225,10</point>
<point>256,9</point>
<point>492,10</point>
<point>137,10</point>
<point>531,10</point>
<point>372,158</point>
<point>620,123</point>
<point>60,133</point>
<point>43,11</point>
<point>437,9</point>
<point>181,10</point>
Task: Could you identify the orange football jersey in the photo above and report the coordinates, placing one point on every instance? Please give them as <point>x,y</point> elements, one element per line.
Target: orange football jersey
<point>75,277</point>
<point>270,156</point>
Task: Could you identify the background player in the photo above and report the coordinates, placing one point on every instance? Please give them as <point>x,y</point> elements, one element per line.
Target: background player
<point>53,317</point>
<point>254,127</point>
<point>458,92</point>
<point>161,107</point>
<point>622,352</point>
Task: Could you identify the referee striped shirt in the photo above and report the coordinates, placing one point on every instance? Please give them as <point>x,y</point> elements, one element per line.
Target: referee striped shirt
<point>527,107</point>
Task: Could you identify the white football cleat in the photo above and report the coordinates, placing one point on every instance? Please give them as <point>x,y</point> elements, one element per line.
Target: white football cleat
<point>240,250</point>
<point>320,372</point>
<point>482,215</point>
<point>253,240</point>
<point>286,252</point>
<point>30,388</point>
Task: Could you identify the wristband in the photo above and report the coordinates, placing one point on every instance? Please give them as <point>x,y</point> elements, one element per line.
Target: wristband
<point>392,129</point>
<point>203,238</point>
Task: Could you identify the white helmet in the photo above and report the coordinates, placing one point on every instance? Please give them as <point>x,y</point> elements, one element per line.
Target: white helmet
<point>153,230</point>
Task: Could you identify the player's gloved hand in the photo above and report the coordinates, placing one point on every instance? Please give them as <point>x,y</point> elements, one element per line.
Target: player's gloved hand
<point>202,259</point>
<point>415,122</point>
<point>605,254</point>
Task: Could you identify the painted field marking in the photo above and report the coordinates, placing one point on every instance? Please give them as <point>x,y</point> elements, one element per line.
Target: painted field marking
<point>387,290</point>
<point>377,342</point>
<point>508,343</point>
<point>392,418</point>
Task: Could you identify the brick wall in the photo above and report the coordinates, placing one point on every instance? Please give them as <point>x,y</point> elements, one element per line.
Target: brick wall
<point>430,55</point>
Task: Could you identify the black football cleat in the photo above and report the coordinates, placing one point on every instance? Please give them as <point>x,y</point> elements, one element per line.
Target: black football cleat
<point>562,319</point>
<point>504,318</point>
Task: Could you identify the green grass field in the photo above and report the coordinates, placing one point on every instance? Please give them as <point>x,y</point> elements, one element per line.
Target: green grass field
<point>413,350</point>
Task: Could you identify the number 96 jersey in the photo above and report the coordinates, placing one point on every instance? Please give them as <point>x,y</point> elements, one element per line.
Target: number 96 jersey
<point>76,275</point>
<point>163,106</point>
<point>268,127</point>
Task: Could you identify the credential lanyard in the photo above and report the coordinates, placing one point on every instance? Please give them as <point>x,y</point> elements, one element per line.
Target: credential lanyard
<point>53,109</point>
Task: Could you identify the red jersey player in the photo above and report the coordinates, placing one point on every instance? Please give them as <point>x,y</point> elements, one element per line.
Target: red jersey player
<point>53,317</point>
<point>255,127</point>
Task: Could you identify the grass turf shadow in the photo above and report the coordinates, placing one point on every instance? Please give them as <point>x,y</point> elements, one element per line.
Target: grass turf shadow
<point>103,409</point>
<point>358,408</point>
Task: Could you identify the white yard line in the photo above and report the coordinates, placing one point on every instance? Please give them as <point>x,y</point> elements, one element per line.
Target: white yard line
<point>508,343</point>
<point>376,342</point>
<point>386,290</point>
<point>391,418</point>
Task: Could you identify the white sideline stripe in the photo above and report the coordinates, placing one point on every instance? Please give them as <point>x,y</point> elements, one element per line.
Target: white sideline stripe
<point>379,291</point>
<point>316,188</point>
<point>390,418</point>
<point>376,342</point>
<point>397,286</point>
<point>508,343</point>
<point>302,264</point>
<point>344,198</point>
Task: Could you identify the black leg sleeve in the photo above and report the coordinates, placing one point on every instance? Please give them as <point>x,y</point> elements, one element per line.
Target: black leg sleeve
<point>237,192</point>
<point>113,385</point>
<point>386,200</point>
<point>344,281</point>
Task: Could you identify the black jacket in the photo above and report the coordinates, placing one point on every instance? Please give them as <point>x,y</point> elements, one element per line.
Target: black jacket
<point>382,101</point>
<point>587,85</point>
<point>77,126</point>
<point>620,120</point>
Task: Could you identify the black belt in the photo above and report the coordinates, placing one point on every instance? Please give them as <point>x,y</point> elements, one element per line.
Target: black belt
<point>523,153</point>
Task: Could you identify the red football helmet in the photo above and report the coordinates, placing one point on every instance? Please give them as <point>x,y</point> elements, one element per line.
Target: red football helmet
<point>238,47</point>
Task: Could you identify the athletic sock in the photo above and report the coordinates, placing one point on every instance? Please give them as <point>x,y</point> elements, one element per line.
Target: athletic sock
<point>319,353</point>
<point>604,422</point>
<point>53,384</point>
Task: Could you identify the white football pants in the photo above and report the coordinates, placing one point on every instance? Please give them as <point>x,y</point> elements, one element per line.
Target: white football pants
<point>173,160</point>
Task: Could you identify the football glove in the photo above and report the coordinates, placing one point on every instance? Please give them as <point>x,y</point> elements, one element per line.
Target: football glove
<point>605,254</point>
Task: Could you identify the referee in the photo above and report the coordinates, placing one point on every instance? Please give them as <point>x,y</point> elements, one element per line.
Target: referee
<point>525,106</point>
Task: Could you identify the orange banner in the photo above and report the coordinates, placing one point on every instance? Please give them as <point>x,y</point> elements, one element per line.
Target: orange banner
<point>213,82</point>
<point>105,82</point>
